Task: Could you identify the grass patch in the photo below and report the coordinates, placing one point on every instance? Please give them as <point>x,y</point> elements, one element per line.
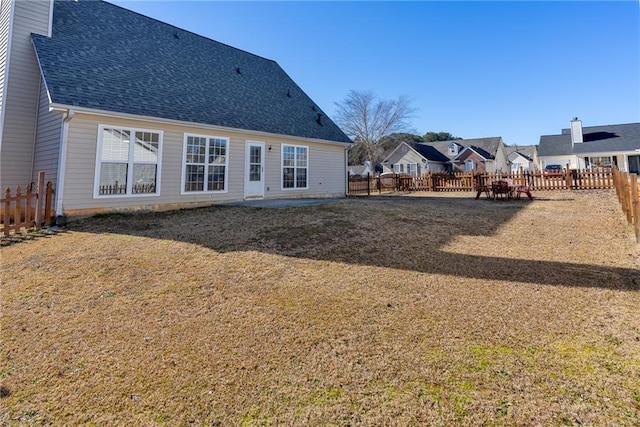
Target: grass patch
<point>383,311</point>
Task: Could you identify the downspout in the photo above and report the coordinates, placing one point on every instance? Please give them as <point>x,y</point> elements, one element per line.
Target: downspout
<point>35,131</point>
<point>62,167</point>
<point>346,170</point>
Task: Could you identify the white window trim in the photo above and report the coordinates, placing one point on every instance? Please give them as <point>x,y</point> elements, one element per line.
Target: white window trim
<point>282,187</point>
<point>184,165</point>
<point>472,163</point>
<point>128,194</point>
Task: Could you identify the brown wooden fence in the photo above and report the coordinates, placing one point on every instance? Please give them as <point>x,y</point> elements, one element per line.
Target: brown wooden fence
<point>628,192</point>
<point>28,209</point>
<point>468,181</point>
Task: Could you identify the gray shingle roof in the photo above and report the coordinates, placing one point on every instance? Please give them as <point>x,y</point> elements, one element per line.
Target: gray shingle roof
<point>514,155</point>
<point>597,139</point>
<point>430,153</point>
<point>105,57</point>
<point>489,145</point>
<point>528,151</point>
<point>484,153</point>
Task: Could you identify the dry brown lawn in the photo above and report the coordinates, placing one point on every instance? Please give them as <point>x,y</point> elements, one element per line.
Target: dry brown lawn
<point>432,310</point>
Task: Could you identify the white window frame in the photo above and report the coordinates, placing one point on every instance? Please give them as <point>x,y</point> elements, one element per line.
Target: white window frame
<point>130,162</point>
<point>206,164</point>
<point>295,167</point>
<point>412,169</point>
<point>598,159</point>
<point>471,163</point>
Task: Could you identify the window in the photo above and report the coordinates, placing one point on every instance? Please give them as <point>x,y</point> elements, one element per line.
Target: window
<point>127,162</point>
<point>600,162</point>
<point>205,163</point>
<point>469,165</point>
<point>412,168</point>
<point>294,166</point>
<point>453,148</point>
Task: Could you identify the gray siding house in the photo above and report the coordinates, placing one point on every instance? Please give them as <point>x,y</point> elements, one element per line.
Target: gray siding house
<point>125,112</point>
<point>523,157</point>
<point>484,154</point>
<point>593,147</point>
<point>414,159</point>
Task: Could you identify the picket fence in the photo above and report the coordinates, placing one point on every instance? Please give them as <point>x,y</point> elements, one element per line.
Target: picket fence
<point>628,192</point>
<point>571,179</point>
<point>31,209</point>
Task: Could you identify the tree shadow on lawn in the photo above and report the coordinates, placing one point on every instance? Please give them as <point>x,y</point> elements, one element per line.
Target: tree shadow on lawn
<point>406,233</point>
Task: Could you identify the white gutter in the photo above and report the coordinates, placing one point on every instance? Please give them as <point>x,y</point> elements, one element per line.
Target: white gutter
<point>35,130</point>
<point>62,161</point>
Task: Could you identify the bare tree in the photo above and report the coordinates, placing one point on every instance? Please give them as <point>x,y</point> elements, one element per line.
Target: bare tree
<point>366,119</point>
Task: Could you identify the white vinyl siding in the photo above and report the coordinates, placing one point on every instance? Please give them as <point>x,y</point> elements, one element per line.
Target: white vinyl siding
<point>5,14</point>
<point>327,167</point>
<point>21,82</point>
<point>48,135</point>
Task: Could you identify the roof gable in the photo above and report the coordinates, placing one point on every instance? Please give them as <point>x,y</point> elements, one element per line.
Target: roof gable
<point>479,151</point>
<point>104,57</point>
<point>517,154</point>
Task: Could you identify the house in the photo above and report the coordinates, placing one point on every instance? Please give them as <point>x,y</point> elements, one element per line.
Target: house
<point>125,112</point>
<point>482,154</point>
<point>593,147</point>
<point>414,159</point>
<point>523,157</point>
<point>361,170</point>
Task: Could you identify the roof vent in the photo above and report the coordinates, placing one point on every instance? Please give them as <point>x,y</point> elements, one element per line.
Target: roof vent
<point>175,34</point>
<point>313,107</point>
<point>318,119</point>
<point>238,70</point>
<point>288,93</point>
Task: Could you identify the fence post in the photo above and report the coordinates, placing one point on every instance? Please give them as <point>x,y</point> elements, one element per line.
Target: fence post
<point>7,214</point>
<point>368,183</point>
<point>48,203</point>
<point>28,208</point>
<point>39,199</point>
<point>635,205</point>
<point>626,197</point>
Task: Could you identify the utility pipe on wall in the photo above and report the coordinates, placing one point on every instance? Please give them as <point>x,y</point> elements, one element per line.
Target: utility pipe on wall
<point>62,164</point>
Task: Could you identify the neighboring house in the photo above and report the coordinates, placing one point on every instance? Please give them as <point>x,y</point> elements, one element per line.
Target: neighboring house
<point>523,157</point>
<point>126,112</point>
<point>482,154</point>
<point>414,159</point>
<point>593,147</point>
<point>361,170</point>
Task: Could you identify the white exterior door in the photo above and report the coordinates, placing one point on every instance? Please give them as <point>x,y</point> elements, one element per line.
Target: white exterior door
<point>254,170</point>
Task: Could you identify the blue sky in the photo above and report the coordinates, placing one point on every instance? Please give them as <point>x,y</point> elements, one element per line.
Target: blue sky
<point>476,69</point>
